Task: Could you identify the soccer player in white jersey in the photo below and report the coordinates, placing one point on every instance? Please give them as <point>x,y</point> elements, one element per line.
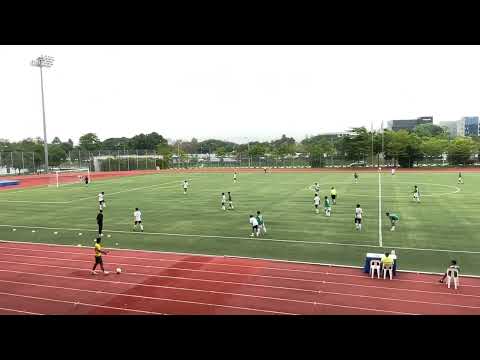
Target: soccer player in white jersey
<point>393,171</point>
<point>185,186</point>
<point>358,217</point>
<point>224,199</point>
<point>316,202</point>
<point>101,201</point>
<point>416,194</point>
<point>316,187</point>
<point>253,221</point>
<point>137,215</point>
<point>230,202</point>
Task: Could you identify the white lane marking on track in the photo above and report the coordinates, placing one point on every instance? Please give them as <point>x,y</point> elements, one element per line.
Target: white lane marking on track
<point>244,274</point>
<point>80,303</point>
<point>20,311</point>
<point>136,296</point>
<point>238,257</point>
<point>217,264</point>
<point>194,302</point>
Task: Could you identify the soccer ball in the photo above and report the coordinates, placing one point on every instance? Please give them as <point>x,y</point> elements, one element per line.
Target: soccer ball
<point>79,234</point>
<point>119,270</point>
<point>109,235</point>
<point>55,232</point>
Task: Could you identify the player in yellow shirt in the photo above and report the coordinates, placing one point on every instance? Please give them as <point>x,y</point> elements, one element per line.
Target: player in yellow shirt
<point>333,194</point>
<point>98,257</point>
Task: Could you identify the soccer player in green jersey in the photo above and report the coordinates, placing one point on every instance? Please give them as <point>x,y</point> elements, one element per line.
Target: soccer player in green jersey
<point>355,176</point>
<point>261,223</point>
<point>394,218</point>
<point>416,194</point>
<point>460,179</point>
<point>327,207</point>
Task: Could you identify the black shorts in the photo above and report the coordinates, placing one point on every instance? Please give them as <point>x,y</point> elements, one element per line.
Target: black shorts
<point>101,202</point>
<point>316,206</point>
<point>255,228</point>
<point>138,222</point>
<point>358,221</point>
<point>333,197</point>
<point>98,260</point>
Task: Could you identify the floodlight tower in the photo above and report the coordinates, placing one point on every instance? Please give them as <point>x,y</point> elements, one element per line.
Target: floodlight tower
<point>43,62</point>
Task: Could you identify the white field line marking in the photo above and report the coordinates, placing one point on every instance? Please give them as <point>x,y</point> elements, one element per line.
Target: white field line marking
<point>79,303</point>
<point>239,257</point>
<point>457,189</point>
<point>160,186</point>
<point>136,296</point>
<point>193,235</point>
<point>48,187</point>
<point>20,311</point>
<point>380,241</point>
<point>189,289</point>
<point>193,280</point>
<point>264,239</point>
<point>197,262</point>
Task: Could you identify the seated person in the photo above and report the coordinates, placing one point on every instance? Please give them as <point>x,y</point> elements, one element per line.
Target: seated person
<point>386,260</point>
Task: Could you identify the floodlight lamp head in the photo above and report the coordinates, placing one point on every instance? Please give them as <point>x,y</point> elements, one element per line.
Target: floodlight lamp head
<point>43,61</point>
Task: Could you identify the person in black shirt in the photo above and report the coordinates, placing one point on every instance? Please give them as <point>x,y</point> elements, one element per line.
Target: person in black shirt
<point>100,222</point>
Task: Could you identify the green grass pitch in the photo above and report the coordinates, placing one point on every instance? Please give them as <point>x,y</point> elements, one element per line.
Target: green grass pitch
<point>440,228</point>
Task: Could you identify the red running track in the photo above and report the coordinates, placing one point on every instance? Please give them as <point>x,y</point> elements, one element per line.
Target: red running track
<point>53,279</point>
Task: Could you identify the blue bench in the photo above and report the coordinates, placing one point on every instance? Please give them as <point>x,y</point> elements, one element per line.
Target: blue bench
<point>9,182</point>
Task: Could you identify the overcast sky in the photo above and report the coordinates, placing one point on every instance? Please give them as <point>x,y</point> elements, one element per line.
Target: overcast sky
<point>238,93</point>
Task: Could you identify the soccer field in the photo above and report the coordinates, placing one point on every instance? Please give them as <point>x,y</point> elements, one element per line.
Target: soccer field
<point>429,234</point>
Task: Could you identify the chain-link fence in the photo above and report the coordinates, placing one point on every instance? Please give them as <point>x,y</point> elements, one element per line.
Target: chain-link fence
<point>18,162</point>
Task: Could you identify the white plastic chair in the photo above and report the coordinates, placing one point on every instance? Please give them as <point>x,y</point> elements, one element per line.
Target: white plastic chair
<point>452,273</point>
<point>388,268</point>
<point>375,265</point>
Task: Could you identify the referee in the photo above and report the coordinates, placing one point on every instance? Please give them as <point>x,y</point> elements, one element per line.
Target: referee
<point>100,222</point>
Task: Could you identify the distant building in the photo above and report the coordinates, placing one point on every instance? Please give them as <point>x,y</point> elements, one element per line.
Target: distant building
<point>450,126</point>
<point>395,125</point>
<point>468,126</point>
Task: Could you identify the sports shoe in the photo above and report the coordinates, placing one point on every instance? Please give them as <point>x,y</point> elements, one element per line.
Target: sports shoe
<point>106,272</point>
<point>93,272</point>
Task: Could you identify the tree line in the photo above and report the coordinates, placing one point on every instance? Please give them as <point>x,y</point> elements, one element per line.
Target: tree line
<point>426,142</point>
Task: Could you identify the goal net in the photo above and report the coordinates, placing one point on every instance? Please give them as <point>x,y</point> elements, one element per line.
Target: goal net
<point>70,176</point>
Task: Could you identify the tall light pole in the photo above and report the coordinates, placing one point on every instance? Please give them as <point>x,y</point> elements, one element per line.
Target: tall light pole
<point>41,62</point>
